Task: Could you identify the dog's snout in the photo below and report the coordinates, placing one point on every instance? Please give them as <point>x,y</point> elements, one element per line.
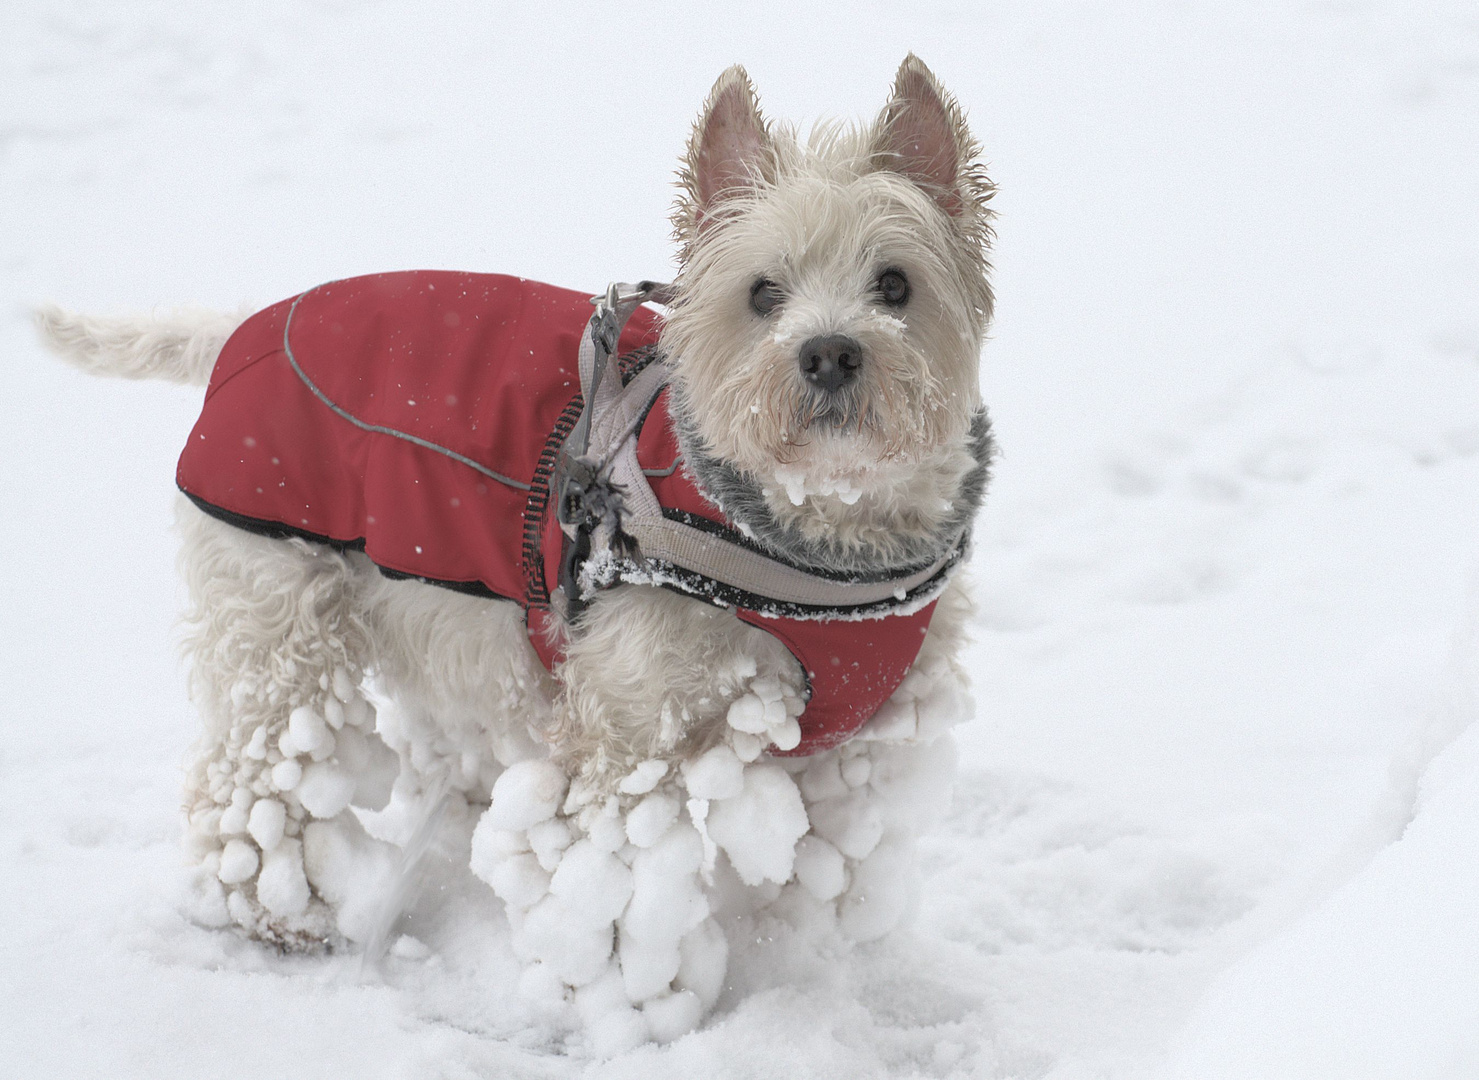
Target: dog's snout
<point>831,361</point>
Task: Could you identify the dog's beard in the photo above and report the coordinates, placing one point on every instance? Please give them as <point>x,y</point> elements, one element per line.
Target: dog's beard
<point>837,414</point>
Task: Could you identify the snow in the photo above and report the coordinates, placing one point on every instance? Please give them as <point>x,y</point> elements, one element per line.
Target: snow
<point>526,794</point>
<point>820,867</point>
<point>350,869</point>
<point>715,774</point>
<point>238,862</point>
<point>324,790</point>
<point>282,886</point>
<point>1213,811</point>
<point>759,827</point>
<point>308,729</point>
<point>266,823</point>
<point>650,818</point>
<point>644,777</point>
<point>595,884</point>
<point>798,484</point>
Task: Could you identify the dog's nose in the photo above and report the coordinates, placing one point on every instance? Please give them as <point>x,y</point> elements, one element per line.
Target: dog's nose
<point>831,361</point>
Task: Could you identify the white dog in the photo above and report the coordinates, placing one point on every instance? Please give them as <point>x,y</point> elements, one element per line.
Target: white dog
<point>736,557</point>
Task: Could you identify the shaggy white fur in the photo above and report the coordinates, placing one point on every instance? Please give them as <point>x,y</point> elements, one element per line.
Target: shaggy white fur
<point>615,786</point>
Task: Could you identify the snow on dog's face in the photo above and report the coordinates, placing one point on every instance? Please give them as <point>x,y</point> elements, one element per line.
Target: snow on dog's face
<point>832,297</point>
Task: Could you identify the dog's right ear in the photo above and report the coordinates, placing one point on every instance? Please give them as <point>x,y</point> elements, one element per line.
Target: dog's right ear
<point>728,153</point>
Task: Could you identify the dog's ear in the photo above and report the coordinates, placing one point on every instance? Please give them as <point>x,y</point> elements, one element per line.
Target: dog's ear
<point>729,150</point>
<point>921,133</point>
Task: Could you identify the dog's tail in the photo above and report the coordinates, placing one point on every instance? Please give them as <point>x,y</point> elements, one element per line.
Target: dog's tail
<point>181,346</point>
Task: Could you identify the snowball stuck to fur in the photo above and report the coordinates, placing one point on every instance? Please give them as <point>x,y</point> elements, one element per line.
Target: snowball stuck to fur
<point>823,778</point>
<point>359,713</point>
<point>234,818</point>
<point>527,793</point>
<point>747,747</point>
<point>324,790</point>
<point>667,900</point>
<point>644,777</point>
<point>912,783</point>
<point>759,827</point>
<point>519,881</point>
<point>608,832</point>
<point>768,689</point>
<point>947,704</point>
<point>747,714</point>
<point>703,959</point>
<point>673,1016</point>
<point>266,823</point>
<point>650,818</point>
<point>343,684</point>
<point>541,987</point>
<point>307,728</point>
<point>286,774</point>
<point>593,884</point>
<point>820,868</point>
<point>617,1032</point>
<point>491,846</point>
<point>895,721</point>
<point>786,735</point>
<point>601,995</point>
<point>282,887</point>
<point>324,750</point>
<point>715,774</point>
<point>351,870</point>
<point>547,840</point>
<point>852,824</point>
<point>574,949</point>
<point>647,968</point>
<point>238,862</point>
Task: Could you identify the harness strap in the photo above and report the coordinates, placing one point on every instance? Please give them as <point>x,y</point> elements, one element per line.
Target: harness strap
<point>664,540</point>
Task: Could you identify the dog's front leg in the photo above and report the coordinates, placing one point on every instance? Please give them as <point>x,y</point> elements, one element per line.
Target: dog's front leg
<point>600,856</point>
<point>653,675</point>
<point>869,800</point>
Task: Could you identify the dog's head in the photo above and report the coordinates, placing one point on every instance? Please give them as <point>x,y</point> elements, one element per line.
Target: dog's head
<point>832,300</point>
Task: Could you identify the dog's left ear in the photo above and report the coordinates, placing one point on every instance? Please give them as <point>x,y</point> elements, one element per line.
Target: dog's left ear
<point>921,133</point>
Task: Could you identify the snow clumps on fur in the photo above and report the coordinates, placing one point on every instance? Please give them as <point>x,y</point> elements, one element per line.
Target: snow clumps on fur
<point>615,904</point>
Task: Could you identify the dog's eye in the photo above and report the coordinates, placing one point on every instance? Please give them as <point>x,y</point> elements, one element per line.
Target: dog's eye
<point>765,296</point>
<point>893,286</point>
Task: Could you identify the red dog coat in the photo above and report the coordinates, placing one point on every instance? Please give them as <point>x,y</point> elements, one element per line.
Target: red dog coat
<point>418,416</point>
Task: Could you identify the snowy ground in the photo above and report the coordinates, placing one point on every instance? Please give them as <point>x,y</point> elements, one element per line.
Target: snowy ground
<point>1217,815</point>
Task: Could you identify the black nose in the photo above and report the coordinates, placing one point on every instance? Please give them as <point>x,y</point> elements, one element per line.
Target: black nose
<point>831,361</point>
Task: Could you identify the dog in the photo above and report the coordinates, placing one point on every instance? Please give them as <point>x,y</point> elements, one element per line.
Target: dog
<point>728,651</point>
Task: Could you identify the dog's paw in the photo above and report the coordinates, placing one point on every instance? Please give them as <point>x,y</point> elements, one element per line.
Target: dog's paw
<point>606,902</point>
<point>870,799</point>
<point>766,713</point>
<point>302,923</point>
